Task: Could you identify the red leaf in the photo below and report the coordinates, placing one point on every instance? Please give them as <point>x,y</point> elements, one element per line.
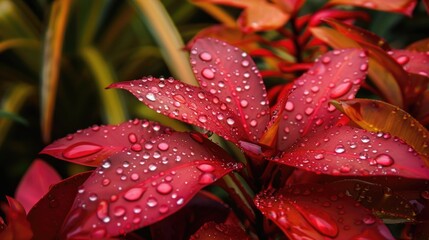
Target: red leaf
<point>92,145</point>
<point>336,75</point>
<point>186,103</point>
<point>132,190</point>
<point>356,152</point>
<point>219,231</point>
<point>35,183</point>
<point>320,212</point>
<point>17,225</point>
<point>412,61</point>
<point>47,216</point>
<point>400,6</point>
<point>231,75</point>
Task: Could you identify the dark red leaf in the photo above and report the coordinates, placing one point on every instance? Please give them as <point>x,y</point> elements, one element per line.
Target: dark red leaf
<point>356,152</point>
<point>92,145</point>
<point>17,225</point>
<point>135,189</point>
<point>35,183</point>
<point>231,75</point>
<point>320,212</point>
<point>188,104</point>
<point>220,231</point>
<point>204,207</point>
<point>336,75</point>
<point>47,216</point>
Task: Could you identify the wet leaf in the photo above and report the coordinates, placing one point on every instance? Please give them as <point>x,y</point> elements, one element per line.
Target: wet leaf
<point>258,15</point>
<point>186,103</point>
<point>419,46</point>
<point>336,75</point>
<point>17,225</point>
<point>220,231</point>
<point>35,183</point>
<point>400,6</point>
<point>378,116</point>
<point>412,61</point>
<point>347,151</point>
<point>310,211</point>
<point>47,216</point>
<point>92,145</point>
<point>230,74</point>
<point>135,189</point>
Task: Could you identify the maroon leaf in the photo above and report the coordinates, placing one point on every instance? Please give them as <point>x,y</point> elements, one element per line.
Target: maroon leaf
<point>92,145</point>
<point>230,74</point>
<point>47,216</point>
<point>336,75</point>
<point>320,212</point>
<point>204,207</point>
<point>186,103</point>
<point>17,225</point>
<point>35,183</point>
<point>219,231</point>
<point>353,151</point>
<point>135,189</point>
<point>412,61</point>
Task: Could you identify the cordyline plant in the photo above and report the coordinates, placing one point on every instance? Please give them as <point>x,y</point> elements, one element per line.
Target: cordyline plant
<point>310,172</point>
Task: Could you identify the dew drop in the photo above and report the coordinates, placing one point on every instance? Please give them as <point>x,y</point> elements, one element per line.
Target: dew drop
<point>244,103</point>
<point>321,221</point>
<point>365,139</point>
<point>289,106</point>
<point>163,146</point>
<point>369,219</point>
<point>206,178</point>
<point>103,211</point>
<point>340,90</point>
<point>319,156</point>
<point>81,149</point>
<point>132,138</point>
<point>106,164</point>
<point>151,202</point>
<point>208,73</point>
<point>230,121</point>
<point>163,209</point>
<point>119,211</point>
<point>402,59</point>
<point>136,147</point>
<point>134,194</point>
<point>164,188</point>
<point>206,167</point>
<point>340,148</point>
<point>202,118</point>
<point>205,56</point>
<point>384,160</point>
<point>151,97</point>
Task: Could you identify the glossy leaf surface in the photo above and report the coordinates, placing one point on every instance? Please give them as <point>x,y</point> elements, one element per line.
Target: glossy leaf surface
<point>17,225</point>
<point>378,116</point>
<point>92,145</point>
<point>35,183</point>
<point>354,152</point>
<point>307,211</point>
<point>47,216</point>
<point>133,189</point>
<point>336,75</point>
<point>220,231</point>
<point>400,6</point>
<point>412,61</point>
<point>230,74</point>
<point>186,103</point>
<point>258,15</point>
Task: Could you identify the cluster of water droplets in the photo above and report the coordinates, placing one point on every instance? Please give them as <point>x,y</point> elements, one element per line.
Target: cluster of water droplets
<point>140,186</point>
<point>330,213</point>
<point>231,74</point>
<point>336,75</point>
<point>408,60</point>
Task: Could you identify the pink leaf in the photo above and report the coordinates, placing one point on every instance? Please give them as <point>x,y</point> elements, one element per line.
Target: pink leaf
<point>186,103</point>
<point>355,152</point>
<point>405,7</point>
<point>231,75</point>
<point>35,183</point>
<point>336,75</point>
<point>92,145</point>
<point>310,211</point>
<point>132,190</point>
<point>412,61</point>
<point>47,216</point>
